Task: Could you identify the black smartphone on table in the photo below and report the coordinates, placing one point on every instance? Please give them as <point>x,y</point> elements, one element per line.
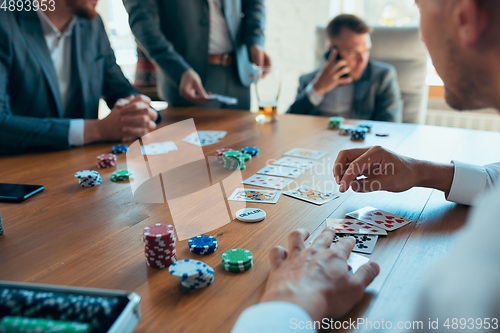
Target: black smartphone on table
<point>339,57</point>
<point>18,192</point>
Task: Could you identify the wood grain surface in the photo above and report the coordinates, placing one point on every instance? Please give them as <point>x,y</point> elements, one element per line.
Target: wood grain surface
<point>90,237</point>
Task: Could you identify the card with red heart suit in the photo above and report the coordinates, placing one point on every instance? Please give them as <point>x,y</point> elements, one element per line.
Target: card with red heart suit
<point>379,218</point>
<point>354,227</point>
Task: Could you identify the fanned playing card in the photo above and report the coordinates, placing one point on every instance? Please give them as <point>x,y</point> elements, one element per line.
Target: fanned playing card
<point>355,261</point>
<point>262,196</point>
<point>353,226</point>
<point>306,153</point>
<point>310,194</point>
<point>268,181</point>
<point>158,148</point>
<point>379,218</point>
<point>364,243</point>
<point>280,171</point>
<point>295,162</point>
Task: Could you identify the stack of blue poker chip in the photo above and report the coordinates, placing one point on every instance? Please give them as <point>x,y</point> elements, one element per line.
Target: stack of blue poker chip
<point>367,126</point>
<point>194,274</point>
<point>251,151</point>
<point>118,149</point>
<point>203,244</point>
<point>89,178</point>
<point>358,134</point>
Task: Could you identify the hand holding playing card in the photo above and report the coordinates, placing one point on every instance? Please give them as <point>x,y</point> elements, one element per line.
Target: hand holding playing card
<point>317,278</point>
<point>388,171</point>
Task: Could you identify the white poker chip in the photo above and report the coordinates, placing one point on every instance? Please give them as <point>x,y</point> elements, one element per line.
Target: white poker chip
<point>251,215</point>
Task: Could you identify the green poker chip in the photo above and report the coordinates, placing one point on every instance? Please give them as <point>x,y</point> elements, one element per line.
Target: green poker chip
<point>237,268</point>
<point>232,153</point>
<point>237,257</point>
<point>121,175</point>
<point>246,157</point>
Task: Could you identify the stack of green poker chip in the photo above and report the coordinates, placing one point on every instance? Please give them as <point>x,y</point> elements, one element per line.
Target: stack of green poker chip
<point>237,260</point>
<point>121,175</point>
<point>233,160</point>
<point>335,122</point>
<point>21,324</point>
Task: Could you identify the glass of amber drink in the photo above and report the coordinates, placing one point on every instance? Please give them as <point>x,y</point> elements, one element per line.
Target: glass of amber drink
<point>268,88</point>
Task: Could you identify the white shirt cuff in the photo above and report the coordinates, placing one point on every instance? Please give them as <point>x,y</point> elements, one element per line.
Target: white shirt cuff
<point>313,95</point>
<point>469,182</point>
<point>276,317</point>
<point>76,128</point>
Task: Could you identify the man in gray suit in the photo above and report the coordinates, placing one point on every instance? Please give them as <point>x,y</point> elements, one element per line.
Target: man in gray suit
<point>54,67</point>
<point>350,85</point>
<point>200,46</point>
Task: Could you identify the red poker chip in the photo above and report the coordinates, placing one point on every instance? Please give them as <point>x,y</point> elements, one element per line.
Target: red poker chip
<point>107,157</point>
<point>158,231</point>
<point>156,254</point>
<point>160,250</point>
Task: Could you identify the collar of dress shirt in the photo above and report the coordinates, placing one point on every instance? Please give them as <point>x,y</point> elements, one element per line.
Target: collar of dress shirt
<point>50,29</point>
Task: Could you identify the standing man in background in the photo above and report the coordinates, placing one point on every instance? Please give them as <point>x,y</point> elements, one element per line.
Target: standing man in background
<point>200,46</point>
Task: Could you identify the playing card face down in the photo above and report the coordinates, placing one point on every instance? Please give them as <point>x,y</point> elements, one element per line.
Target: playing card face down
<point>306,153</point>
<point>280,171</point>
<point>262,196</point>
<point>379,218</point>
<point>364,243</point>
<point>354,227</point>
<point>311,195</point>
<point>355,261</point>
<point>295,162</point>
<point>268,181</point>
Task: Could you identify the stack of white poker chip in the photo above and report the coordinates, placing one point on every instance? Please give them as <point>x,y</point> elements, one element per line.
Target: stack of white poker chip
<point>194,274</point>
<point>88,178</point>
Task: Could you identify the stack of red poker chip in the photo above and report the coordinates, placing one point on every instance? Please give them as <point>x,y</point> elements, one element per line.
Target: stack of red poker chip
<point>220,152</point>
<point>106,160</point>
<point>159,245</point>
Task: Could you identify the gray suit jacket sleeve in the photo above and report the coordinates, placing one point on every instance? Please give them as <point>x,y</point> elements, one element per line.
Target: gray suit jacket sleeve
<point>254,22</point>
<point>388,101</point>
<point>145,25</point>
<point>20,133</point>
<point>302,104</point>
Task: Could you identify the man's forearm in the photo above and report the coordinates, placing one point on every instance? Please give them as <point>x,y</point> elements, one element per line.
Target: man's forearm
<point>435,175</point>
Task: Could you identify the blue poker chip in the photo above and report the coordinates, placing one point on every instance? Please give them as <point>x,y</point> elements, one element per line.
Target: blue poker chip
<point>203,244</point>
<point>119,149</point>
<point>358,134</point>
<point>251,151</point>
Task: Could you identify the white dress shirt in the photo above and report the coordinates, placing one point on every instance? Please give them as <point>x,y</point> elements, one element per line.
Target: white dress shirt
<point>219,41</point>
<point>464,285</point>
<point>337,102</point>
<point>59,45</point>
<point>471,181</point>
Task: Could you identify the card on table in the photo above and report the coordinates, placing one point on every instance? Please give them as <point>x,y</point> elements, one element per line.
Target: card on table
<point>268,181</point>
<point>262,196</point>
<point>355,261</point>
<point>295,162</point>
<point>158,148</point>
<point>306,153</point>
<point>224,99</point>
<point>281,171</point>
<point>379,218</point>
<point>353,226</point>
<point>204,138</point>
<point>364,243</point>
<point>310,194</point>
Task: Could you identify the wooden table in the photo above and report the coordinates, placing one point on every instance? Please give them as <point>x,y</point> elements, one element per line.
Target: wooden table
<point>91,237</point>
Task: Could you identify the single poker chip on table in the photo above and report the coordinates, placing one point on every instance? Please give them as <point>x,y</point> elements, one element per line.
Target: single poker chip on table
<point>382,134</point>
<point>187,268</point>
<point>251,151</point>
<point>251,215</point>
<point>119,149</point>
<point>237,257</point>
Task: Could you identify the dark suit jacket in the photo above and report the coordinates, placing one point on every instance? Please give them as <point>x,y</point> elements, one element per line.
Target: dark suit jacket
<point>376,95</point>
<point>175,34</point>
<point>31,116</point>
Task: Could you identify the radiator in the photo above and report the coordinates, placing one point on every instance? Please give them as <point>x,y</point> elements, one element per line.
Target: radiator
<point>464,119</point>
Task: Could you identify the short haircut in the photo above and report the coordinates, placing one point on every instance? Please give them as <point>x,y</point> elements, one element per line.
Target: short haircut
<point>351,22</point>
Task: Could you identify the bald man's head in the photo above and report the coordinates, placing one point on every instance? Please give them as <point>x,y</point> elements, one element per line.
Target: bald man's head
<point>463,38</point>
